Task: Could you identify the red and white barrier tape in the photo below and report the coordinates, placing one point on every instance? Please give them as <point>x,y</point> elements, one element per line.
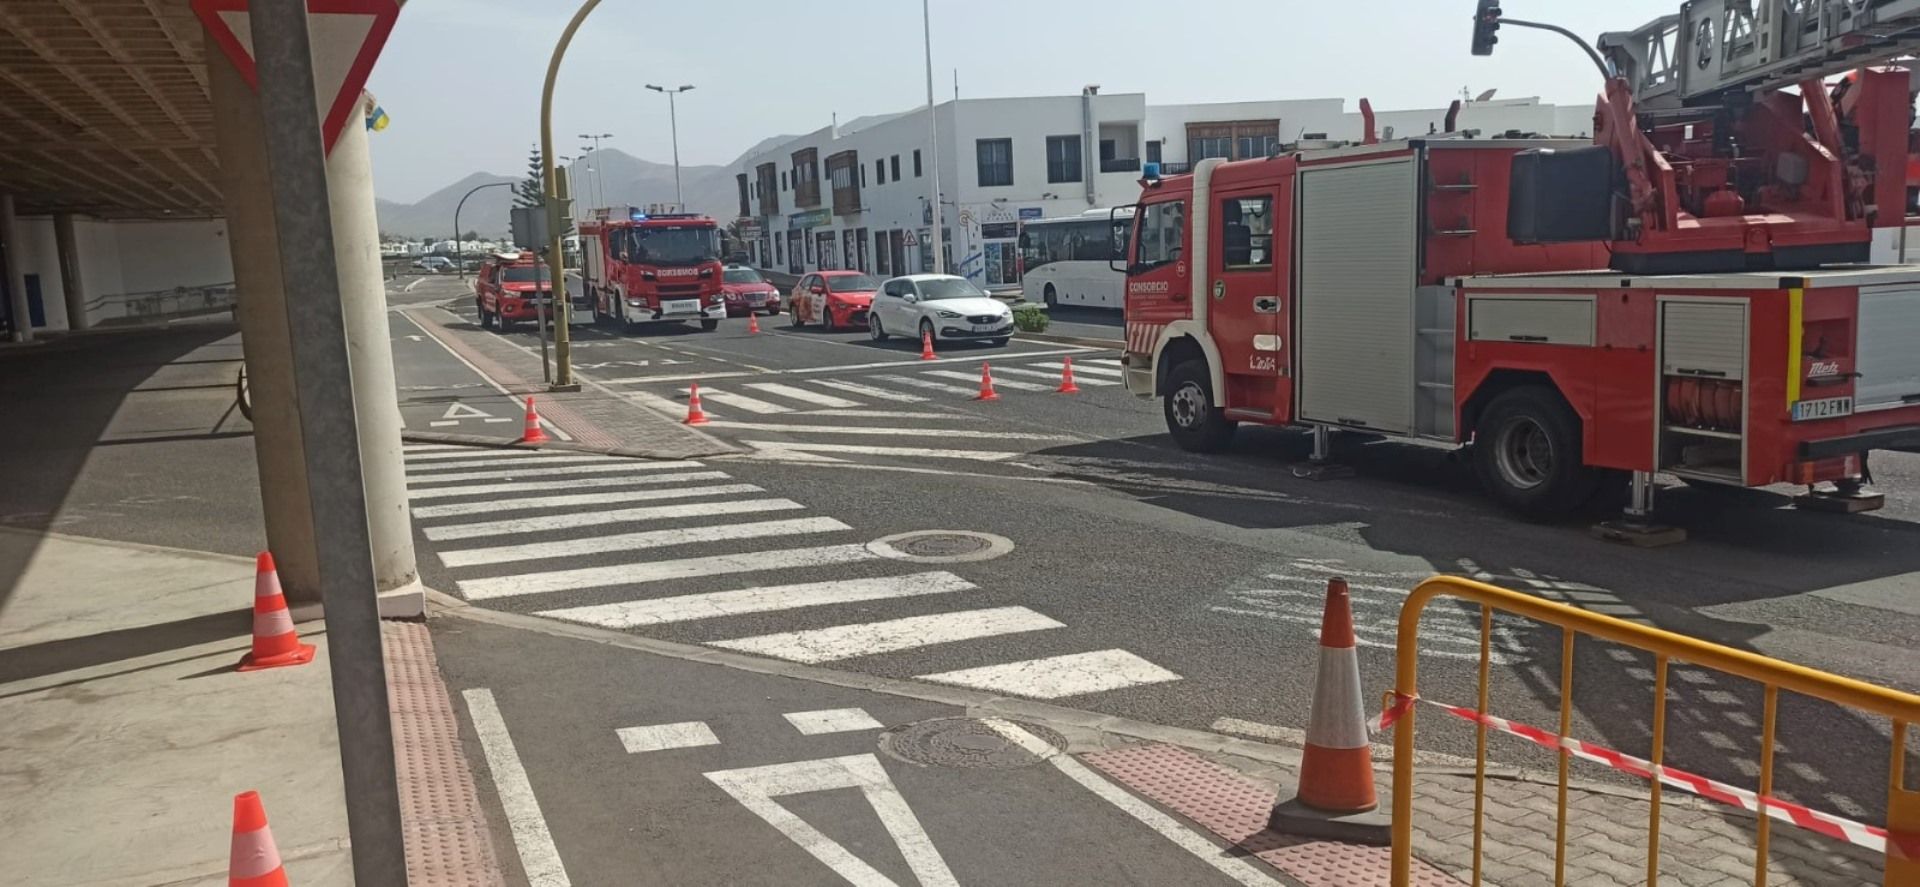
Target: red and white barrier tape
<point>1871,837</point>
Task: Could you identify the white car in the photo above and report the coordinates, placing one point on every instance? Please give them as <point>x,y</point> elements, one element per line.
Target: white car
<point>946,307</point>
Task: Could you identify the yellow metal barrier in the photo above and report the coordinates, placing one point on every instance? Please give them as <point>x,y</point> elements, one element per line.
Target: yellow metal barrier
<point>1903,805</point>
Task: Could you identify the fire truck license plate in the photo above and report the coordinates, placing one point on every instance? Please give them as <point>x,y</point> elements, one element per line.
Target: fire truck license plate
<point>1824,408</point>
<point>681,306</point>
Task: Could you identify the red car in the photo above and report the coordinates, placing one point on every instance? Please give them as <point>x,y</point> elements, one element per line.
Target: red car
<point>511,288</point>
<point>747,292</point>
<point>833,299</point>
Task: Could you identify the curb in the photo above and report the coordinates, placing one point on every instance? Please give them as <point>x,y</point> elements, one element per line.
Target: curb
<point>495,443</point>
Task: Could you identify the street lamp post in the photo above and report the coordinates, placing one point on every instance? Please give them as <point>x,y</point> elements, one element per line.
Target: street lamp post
<point>457,263</point>
<point>599,191</point>
<point>673,116</point>
<point>933,145</point>
<point>556,216</point>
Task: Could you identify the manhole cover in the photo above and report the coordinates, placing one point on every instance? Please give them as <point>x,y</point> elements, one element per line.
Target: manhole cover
<point>941,546</point>
<point>968,743</point>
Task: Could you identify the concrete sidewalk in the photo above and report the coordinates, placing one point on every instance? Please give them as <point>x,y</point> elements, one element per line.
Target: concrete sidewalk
<point>126,731</point>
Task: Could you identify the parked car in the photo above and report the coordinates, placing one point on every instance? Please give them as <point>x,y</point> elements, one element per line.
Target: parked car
<point>942,306</point>
<point>511,287</point>
<point>747,292</point>
<point>433,264</point>
<point>832,299</point>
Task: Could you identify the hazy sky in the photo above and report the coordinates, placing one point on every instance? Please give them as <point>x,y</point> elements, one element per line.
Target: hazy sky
<point>461,78</point>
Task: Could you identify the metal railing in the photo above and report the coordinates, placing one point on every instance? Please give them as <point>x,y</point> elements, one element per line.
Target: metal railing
<point>1901,836</point>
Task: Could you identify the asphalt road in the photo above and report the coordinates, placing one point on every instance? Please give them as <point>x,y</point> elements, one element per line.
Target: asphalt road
<point>1142,581</point>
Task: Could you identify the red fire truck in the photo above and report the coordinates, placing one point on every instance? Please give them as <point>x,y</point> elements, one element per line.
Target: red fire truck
<point>1679,295</point>
<point>661,268</point>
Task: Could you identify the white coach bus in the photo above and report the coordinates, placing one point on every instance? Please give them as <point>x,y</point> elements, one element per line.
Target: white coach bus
<point>1068,261</point>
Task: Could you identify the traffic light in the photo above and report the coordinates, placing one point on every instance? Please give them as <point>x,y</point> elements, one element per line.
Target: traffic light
<point>1486,21</point>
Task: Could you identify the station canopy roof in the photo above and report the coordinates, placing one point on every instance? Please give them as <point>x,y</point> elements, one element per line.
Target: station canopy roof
<point>104,109</point>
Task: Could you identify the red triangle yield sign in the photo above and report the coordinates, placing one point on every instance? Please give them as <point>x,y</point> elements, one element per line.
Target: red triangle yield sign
<point>345,35</point>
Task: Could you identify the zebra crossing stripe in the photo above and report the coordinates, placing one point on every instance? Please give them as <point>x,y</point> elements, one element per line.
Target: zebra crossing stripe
<point>506,461</point>
<point>529,472</point>
<point>576,520</point>
<point>1095,367</point>
<point>591,499</point>
<point>891,635</point>
<point>740,401</point>
<point>570,483</point>
<point>530,551</point>
<point>413,455</point>
<point>1056,676</point>
<point>930,385</point>
<point>867,390</point>
<point>663,405</point>
<point>740,601</point>
<point>888,414</point>
<point>1042,374</point>
<point>802,394</point>
<point>1002,383</point>
<point>434,448</point>
<point>889,432</point>
<point>657,571</point>
<point>783,449</point>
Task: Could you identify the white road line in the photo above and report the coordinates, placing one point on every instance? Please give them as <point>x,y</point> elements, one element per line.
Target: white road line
<point>590,499</point>
<point>1086,367</point>
<point>886,414</point>
<point>572,483</point>
<point>504,554</point>
<point>832,720</point>
<point>1106,361</point>
<point>867,390</point>
<point>1057,676</point>
<point>740,401</point>
<point>478,452</point>
<point>665,737</point>
<point>434,448</point>
<point>658,571</point>
<point>665,406</point>
<point>700,377</point>
<point>690,607</point>
<point>889,432</point>
<point>1042,374</point>
<point>538,857</point>
<point>442,423</point>
<point>498,462</point>
<point>1221,858</point>
<point>890,635</point>
<point>802,449</point>
<point>578,519</point>
<point>802,394</point>
<point>929,384</point>
<point>1003,383</point>
<point>528,472</point>
<point>907,363</point>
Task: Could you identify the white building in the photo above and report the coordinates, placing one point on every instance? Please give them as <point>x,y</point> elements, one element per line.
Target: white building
<point>128,270</point>
<point>855,196</point>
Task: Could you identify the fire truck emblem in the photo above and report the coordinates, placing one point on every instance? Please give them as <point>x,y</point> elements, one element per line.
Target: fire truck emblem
<point>1219,290</point>
<point>1823,368</point>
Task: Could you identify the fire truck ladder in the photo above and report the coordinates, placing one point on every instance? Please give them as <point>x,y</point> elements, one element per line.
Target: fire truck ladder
<point>1713,48</point>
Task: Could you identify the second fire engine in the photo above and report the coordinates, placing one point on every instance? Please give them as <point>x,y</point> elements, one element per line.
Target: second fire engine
<point>661,268</point>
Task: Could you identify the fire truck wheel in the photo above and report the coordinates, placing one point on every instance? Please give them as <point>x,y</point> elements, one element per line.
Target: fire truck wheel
<point>1195,423</point>
<point>1527,453</point>
<point>708,326</point>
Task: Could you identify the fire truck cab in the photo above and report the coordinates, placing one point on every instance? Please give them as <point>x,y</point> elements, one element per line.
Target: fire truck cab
<point>661,268</point>
<point>1380,288</point>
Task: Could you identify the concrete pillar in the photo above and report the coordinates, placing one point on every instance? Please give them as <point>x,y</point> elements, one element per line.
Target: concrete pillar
<point>73,286</point>
<point>16,270</point>
<point>262,308</point>
<point>376,398</point>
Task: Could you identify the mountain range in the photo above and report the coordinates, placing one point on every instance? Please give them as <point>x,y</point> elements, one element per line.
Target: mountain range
<point>608,177</point>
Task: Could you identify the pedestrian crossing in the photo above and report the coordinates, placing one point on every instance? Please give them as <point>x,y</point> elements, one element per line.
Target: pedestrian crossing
<point>685,551</point>
<point>801,417</point>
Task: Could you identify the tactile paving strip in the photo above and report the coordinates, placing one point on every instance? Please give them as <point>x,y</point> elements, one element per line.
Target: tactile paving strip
<point>1234,808</point>
<point>446,832</point>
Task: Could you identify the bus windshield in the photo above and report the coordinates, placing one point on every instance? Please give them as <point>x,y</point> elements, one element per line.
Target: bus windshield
<point>676,246</point>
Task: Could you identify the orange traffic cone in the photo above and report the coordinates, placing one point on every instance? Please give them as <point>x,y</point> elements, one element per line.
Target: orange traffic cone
<point>534,433</point>
<point>753,324</point>
<point>255,861</point>
<point>695,415</point>
<point>1066,378</point>
<point>986,384</point>
<point>1336,798</point>
<point>926,347</point>
<point>275,642</point>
